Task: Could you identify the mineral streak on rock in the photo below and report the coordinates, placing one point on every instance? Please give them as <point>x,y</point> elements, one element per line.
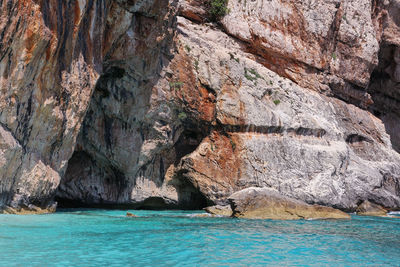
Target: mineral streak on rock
<point>148,104</point>
<point>50,61</point>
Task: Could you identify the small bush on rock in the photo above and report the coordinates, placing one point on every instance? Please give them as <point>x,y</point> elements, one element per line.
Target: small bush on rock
<point>218,9</point>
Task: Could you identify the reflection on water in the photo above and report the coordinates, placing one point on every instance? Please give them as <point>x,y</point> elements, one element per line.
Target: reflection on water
<point>100,238</point>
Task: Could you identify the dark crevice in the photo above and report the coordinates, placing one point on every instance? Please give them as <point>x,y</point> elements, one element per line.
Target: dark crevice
<point>187,143</point>
<point>385,92</point>
<point>92,189</point>
<point>330,42</point>
<point>356,138</point>
<point>190,196</point>
<point>264,129</point>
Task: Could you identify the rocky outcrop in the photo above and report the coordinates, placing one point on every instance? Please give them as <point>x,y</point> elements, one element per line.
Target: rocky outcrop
<point>314,43</point>
<point>270,132</point>
<point>219,210</point>
<point>123,149</point>
<point>30,209</point>
<point>51,54</point>
<point>367,208</point>
<point>148,104</point>
<point>265,203</point>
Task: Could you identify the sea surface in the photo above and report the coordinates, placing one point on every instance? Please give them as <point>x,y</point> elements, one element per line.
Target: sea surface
<point>176,238</point>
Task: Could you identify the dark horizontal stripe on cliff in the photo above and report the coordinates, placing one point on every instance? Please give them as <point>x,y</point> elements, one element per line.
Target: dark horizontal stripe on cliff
<point>263,129</point>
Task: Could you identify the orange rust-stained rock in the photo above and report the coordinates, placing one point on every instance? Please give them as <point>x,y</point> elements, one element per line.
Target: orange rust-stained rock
<point>194,10</point>
<point>150,103</point>
<point>314,44</point>
<point>188,89</point>
<point>215,167</point>
<point>53,53</point>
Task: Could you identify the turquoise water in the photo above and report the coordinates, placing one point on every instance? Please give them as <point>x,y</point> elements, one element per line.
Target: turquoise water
<point>174,238</point>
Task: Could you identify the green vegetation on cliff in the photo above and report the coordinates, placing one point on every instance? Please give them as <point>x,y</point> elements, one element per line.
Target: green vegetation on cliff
<point>218,9</point>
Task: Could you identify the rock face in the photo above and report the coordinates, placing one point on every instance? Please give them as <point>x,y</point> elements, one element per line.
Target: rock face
<point>370,209</point>
<point>266,203</point>
<point>123,149</point>
<point>148,104</point>
<point>270,132</point>
<point>51,56</point>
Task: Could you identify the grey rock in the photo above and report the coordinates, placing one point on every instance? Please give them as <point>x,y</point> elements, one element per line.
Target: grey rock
<point>146,103</point>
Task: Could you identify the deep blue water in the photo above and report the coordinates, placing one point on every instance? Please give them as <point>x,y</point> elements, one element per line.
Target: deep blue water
<point>174,238</point>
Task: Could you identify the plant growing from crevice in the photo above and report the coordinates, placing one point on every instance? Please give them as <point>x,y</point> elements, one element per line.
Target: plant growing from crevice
<point>182,116</point>
<point>345,18</point>
<point>217,9</point>
<point>277,102</point>
<point>176,85</point>
<point>233,144</point>
<point>234,58</point>
<point>251,74</point>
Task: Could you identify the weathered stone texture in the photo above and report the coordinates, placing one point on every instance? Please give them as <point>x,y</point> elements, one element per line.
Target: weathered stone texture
<point>52,53</point>
<point>147,103</point>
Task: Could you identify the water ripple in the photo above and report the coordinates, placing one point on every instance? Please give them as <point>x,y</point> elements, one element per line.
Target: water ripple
<point>175,238</point>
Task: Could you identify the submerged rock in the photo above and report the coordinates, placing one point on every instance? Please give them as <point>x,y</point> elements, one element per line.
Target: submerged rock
<point>204,215</point>
<point>370,209</point>
<point>219,210</point>
<point>266,203</point>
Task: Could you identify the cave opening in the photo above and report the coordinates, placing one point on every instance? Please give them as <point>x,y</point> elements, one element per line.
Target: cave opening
<point>384,88</point>
<point>89,183</point>
<point>96,178</point>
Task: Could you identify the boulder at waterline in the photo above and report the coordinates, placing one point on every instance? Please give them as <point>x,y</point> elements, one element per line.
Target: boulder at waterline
<point>219,210</point>
<point>367,208</point>
<point>30,209</point>
<point>266,203</point>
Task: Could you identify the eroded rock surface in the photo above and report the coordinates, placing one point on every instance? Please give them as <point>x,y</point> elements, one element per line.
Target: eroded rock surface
<point>148,104</point>
<point>270,132</point>
<point>51,54</point>
<point>266,203</point>
<point>124,148</point>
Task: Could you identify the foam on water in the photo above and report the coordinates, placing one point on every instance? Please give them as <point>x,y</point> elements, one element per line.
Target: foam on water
<point>176,238</point>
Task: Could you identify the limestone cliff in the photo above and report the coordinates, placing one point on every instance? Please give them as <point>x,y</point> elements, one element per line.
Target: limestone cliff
<point>154,104</point>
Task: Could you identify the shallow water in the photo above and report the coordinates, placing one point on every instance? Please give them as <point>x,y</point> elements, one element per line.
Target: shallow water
<point>174,238</point>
